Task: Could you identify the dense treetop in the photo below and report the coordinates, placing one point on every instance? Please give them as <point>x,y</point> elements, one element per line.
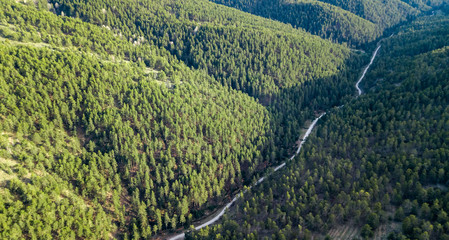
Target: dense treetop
<point>270,62</point>
<point>353,22</point>
<point>132,119</point>
<point>378,165</point>
<point>147,133</point>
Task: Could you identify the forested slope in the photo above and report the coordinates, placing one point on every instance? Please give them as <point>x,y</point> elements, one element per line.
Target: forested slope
<point>238,49</point>
<point>140,120</point>
<point>97,120</point>
<point>319,18</point>
<point>284,68</point>
<point>377,166</point>
<point>354,22</point>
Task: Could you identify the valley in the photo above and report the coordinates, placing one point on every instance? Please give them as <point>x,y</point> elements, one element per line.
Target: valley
<point>256,120</point>
<point>302,139</point>
<point>348,180</point>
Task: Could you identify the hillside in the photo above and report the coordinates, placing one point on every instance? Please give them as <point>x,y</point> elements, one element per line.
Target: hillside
<point>319,18</point>
<point>264,59</point>
<point>113,123</point>
<point>138,119</point>
<point>353,22</point>
<point>134,125</point>
<point>376,167</point>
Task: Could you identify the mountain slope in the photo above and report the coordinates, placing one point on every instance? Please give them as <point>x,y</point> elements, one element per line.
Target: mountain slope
<point>230,45</point>
<point>114,122</point>
<point>149,118</point>
<point>353,22</point>
<point>265,59</point>
<point>236,50</point>
<point>319,18</point>
<point>376,167</point>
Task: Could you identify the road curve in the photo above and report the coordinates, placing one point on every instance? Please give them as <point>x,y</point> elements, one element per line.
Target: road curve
<point>308,132</point>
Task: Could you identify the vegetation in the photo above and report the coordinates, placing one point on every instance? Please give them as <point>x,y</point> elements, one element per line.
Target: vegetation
<point>143,140</point>
<point>240,53</point>
<point>146,144</point>
<point>130,119</point>
<point>353,22</point>
<point>380,160</point>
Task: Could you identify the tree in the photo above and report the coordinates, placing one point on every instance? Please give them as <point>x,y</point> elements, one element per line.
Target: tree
<point>367,232</point>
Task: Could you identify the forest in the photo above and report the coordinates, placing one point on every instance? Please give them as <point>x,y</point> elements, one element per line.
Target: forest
<point>135,119</point>
<point>141,138</point>
<point>351,22</point>
<point>375,168</point>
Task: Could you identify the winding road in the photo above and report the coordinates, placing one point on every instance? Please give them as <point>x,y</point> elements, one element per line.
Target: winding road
<point>366,69</point>
<point>220,213</point>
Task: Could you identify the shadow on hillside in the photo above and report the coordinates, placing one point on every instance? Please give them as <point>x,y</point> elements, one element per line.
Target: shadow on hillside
<point>289,110</point>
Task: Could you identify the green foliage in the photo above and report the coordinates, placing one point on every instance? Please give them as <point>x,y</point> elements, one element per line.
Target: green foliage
<point>131,118</point>
<point>316,17</point>
<point>366,232</point>
<point>383,155</point>
<point>255,59</point>
<point>354,22</point>
<point>130,127</point>
<point>289,71</point>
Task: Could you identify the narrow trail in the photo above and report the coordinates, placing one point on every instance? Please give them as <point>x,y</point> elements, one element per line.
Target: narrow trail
<point>220,213</point>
